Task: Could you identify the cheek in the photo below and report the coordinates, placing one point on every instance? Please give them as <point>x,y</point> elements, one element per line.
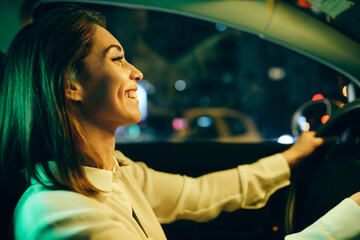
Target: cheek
<point>97,97</point>
<point>100,99</point>
<point>105,93</point>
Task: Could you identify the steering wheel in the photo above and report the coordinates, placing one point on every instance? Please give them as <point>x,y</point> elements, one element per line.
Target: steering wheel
<point>345,117</point>
<point>329,175</point>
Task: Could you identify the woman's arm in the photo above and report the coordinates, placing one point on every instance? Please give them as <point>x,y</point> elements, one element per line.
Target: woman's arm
<point>342,222</point>
<point>201,199</point>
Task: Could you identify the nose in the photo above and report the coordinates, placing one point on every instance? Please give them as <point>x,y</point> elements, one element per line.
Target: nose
<point>135,74</point>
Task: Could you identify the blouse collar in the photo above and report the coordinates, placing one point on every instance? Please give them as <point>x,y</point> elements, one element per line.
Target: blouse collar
<point>103,179</point>
<point>100,178</point>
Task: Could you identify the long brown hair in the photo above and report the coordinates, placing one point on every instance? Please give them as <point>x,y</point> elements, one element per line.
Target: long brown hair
<point>37,122</point>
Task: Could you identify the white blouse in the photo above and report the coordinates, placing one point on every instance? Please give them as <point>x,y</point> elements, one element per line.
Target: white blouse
<point>155,197</point>
<point>340,223</point>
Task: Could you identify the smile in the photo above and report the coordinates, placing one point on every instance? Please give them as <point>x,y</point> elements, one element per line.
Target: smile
<point>131,94</point>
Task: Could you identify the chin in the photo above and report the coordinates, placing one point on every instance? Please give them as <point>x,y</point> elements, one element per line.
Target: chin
<point>138,120</point>
<point>134,120</point>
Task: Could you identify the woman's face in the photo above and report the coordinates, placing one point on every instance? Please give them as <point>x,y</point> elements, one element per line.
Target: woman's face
<point>108,84</point>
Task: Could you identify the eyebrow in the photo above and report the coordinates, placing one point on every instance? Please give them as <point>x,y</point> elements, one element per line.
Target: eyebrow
<point>112,46</point>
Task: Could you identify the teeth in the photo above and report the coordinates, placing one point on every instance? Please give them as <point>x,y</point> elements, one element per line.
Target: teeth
<point>131,94</point>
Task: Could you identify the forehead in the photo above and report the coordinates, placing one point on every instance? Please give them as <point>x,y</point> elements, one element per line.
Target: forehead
<point>102,39</point>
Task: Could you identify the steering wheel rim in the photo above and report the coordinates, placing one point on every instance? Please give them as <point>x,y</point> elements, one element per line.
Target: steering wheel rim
<point>345,115</point>
<point>334,127</point>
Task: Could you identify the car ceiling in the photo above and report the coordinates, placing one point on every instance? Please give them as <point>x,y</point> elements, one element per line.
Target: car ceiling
<point>346,22</point>
<point>283,22</point>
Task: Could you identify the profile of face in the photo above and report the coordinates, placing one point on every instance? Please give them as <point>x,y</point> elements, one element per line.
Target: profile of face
<point>105,90</point>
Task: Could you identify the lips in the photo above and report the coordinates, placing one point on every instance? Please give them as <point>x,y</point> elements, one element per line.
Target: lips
<point>131,93</point>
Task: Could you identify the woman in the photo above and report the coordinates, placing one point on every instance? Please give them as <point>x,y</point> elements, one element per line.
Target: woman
<point>66,88</point>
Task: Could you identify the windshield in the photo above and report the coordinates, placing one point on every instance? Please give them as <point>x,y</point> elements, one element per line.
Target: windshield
<point>205,81</point>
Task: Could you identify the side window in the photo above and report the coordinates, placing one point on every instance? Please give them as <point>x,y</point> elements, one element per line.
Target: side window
<point>236,126</point>
<point>202,128</point>
<point>189,64</point>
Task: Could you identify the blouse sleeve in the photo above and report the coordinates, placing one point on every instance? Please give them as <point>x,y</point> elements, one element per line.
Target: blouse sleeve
<point>342,222</point>
<point>175,197</point>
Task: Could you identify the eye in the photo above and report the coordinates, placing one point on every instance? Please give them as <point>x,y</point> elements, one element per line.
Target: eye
<point>118,59</point>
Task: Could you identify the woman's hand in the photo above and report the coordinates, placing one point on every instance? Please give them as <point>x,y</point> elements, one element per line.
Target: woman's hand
<point>356,198</point>
<point>305,145</point>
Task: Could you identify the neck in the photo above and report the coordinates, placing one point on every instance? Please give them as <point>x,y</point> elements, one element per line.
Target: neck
<point>102,142</point>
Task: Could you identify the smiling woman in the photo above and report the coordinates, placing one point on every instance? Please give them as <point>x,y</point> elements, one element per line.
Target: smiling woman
<point>106,90</point>
<point>35,114</point>
<point>66,89</point>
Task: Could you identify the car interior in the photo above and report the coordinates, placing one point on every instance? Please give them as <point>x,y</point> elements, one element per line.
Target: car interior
<point>328,176</point>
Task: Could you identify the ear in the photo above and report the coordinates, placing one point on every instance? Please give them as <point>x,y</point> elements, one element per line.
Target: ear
<point>75,92</point>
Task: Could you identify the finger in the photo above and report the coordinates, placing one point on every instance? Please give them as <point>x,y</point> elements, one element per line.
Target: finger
<point>319,141</point>
<point>311,133</point>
